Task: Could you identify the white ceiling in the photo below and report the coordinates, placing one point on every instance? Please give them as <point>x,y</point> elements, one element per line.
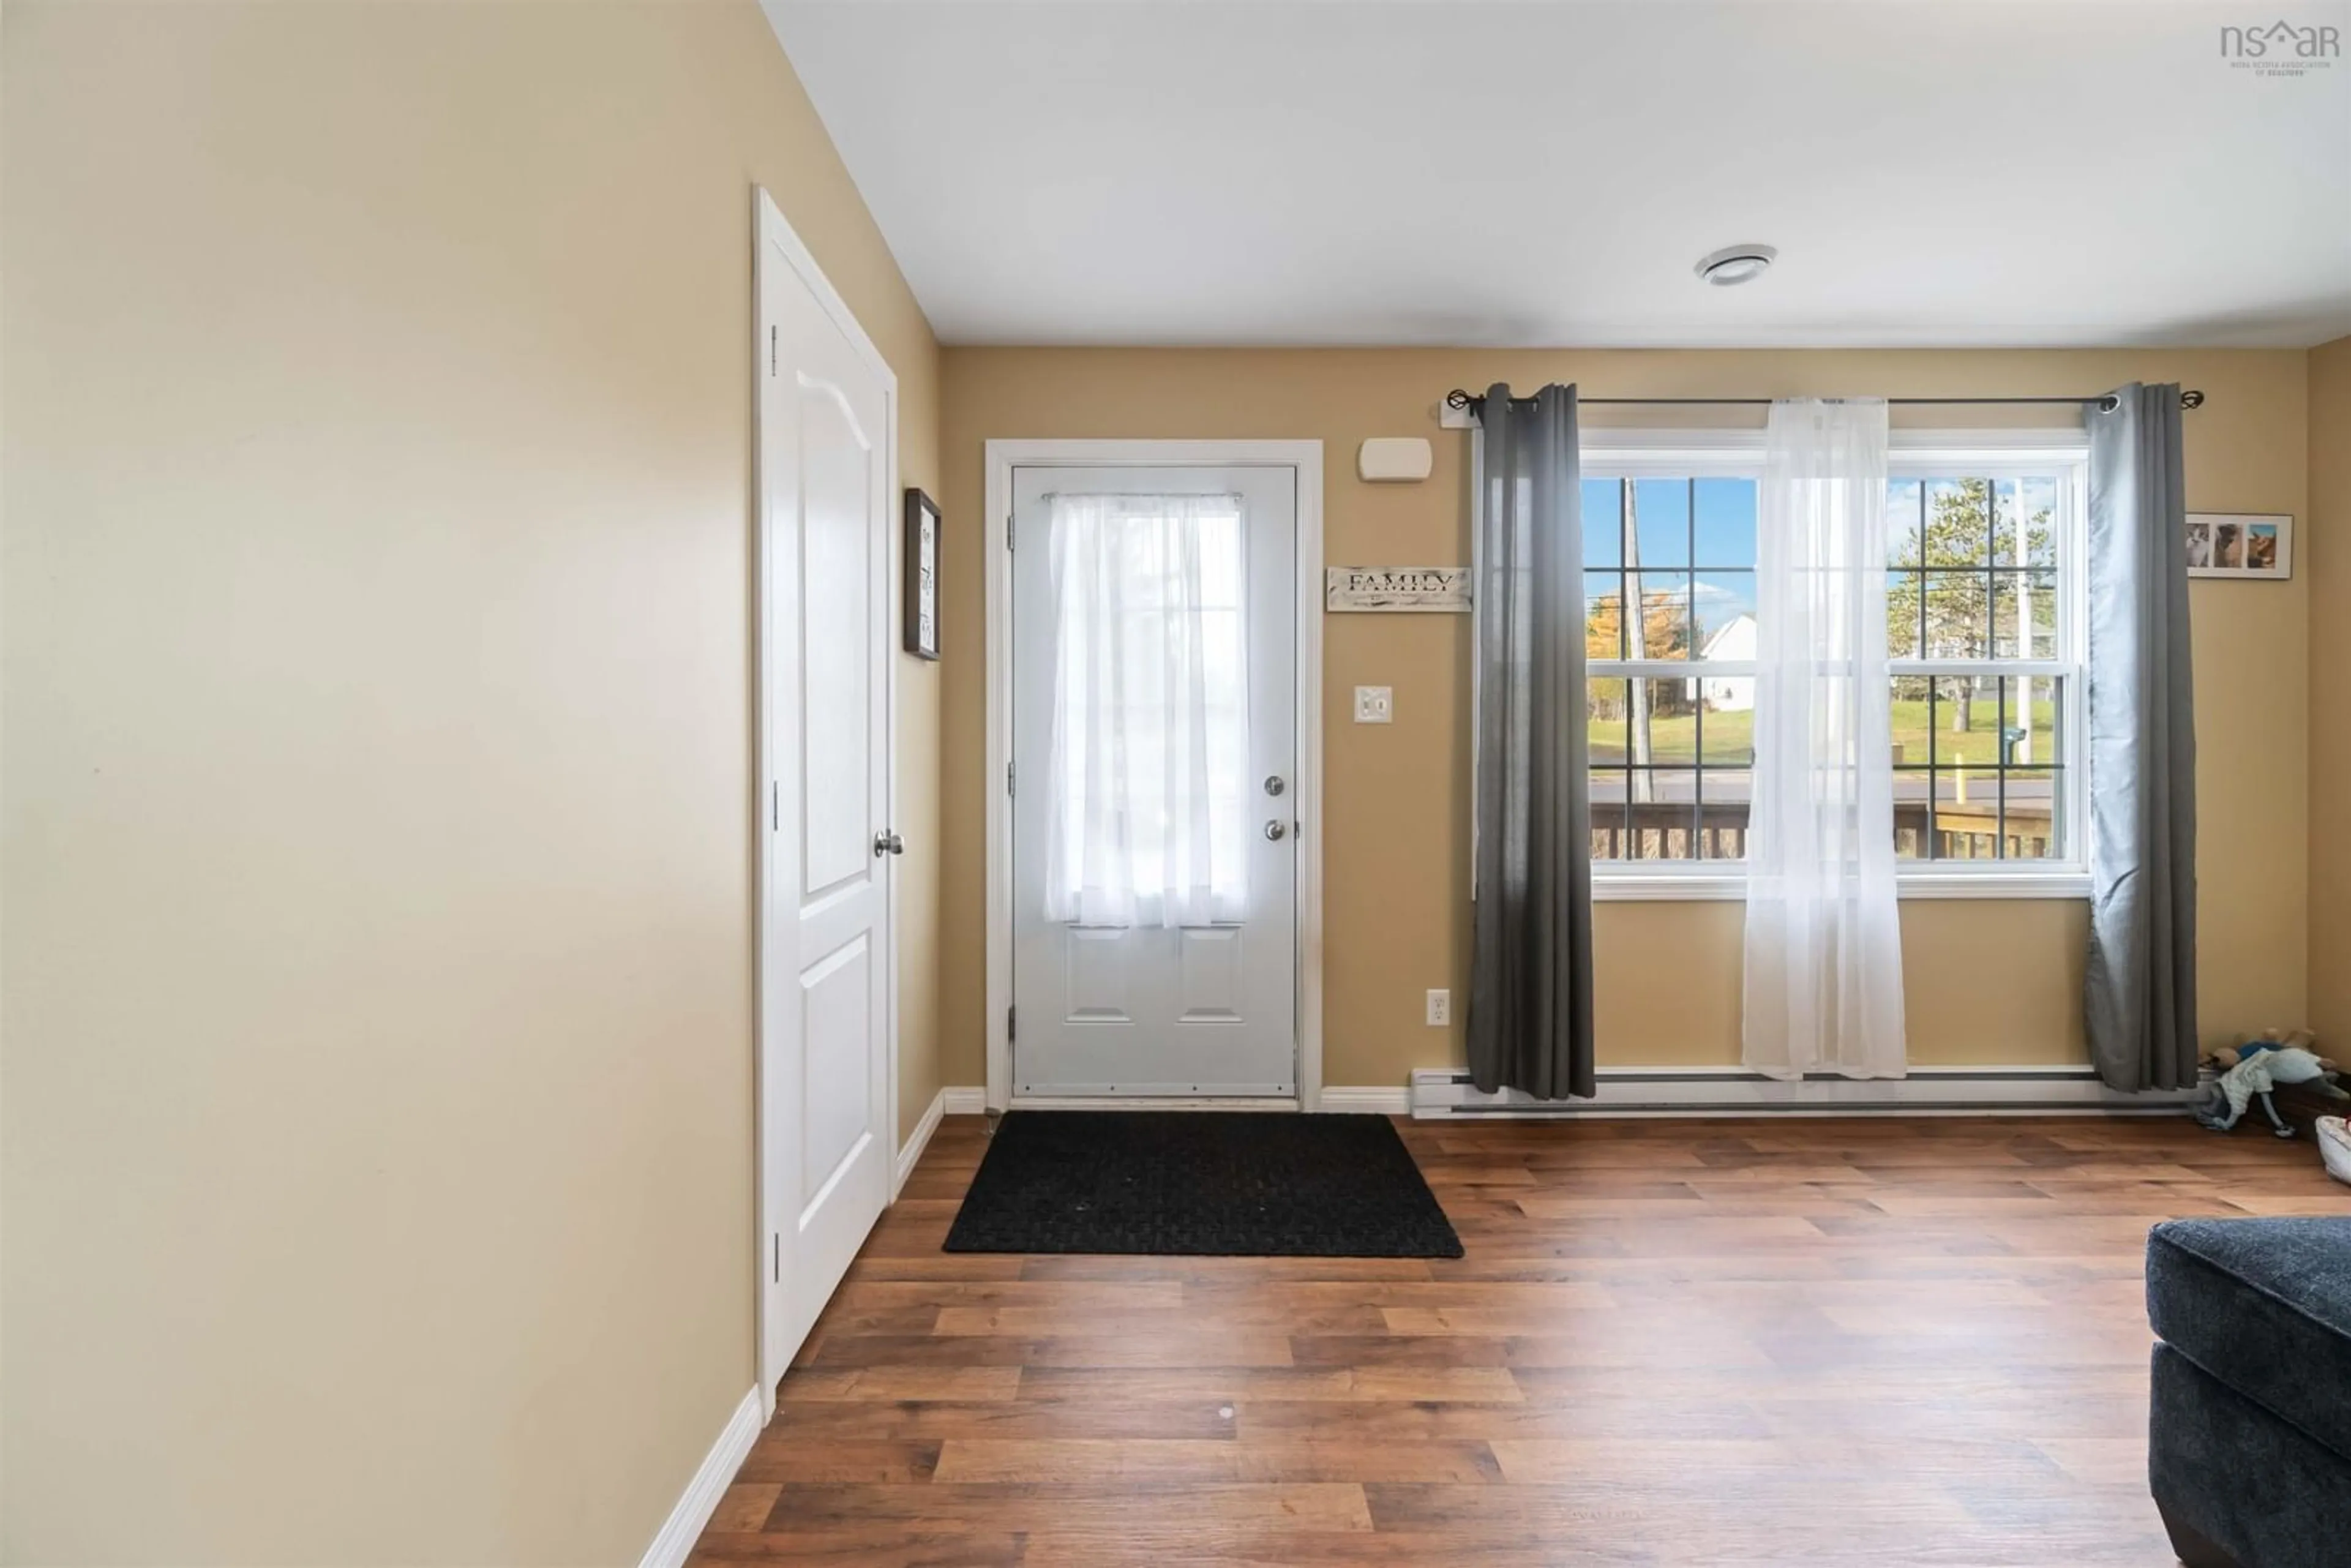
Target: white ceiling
<point>1487,172</point>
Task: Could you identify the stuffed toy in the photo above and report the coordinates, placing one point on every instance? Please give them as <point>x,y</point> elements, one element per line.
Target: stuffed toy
<point>2227,1056</point>
<point>2256,1067</point>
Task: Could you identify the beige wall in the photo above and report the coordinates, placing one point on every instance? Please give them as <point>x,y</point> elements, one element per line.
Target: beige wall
<point>378,1047</point>
<point>2322,549</point>
<point>1987,982</point>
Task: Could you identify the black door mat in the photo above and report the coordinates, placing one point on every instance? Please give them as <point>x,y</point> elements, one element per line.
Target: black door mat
<point>1230,1183</point>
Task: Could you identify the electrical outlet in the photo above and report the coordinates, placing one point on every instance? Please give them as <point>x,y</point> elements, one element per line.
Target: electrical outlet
<point>1440,1008</point>
<point>1374,704</point>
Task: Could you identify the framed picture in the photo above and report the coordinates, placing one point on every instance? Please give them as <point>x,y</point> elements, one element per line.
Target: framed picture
<point>921,576</point>
<point>2240,544</point>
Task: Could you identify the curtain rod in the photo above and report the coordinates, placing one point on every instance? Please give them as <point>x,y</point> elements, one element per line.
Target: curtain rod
<point>1458,398</point>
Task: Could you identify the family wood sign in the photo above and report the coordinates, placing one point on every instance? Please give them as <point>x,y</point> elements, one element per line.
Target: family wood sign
<point>1425,590</point>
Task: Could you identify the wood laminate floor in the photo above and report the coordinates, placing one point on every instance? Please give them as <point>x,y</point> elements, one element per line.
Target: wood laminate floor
<point>1671,1342</point>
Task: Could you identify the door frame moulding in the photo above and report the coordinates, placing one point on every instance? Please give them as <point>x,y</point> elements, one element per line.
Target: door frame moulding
<point>773,240</point>
<point>1306,458</point>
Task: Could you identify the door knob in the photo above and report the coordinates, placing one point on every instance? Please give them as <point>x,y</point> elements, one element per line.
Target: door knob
<point>1276,830</point>
<point>889,844</point>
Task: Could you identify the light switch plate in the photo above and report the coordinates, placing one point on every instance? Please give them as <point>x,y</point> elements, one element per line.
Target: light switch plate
<point>1440,1007</point>
<point>1374,704</point>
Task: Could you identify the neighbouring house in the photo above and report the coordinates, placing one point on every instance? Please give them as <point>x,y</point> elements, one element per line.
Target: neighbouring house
<point>1732,643</point>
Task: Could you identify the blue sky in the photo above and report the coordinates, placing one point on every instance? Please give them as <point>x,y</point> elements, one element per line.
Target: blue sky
<point>1726,522</point>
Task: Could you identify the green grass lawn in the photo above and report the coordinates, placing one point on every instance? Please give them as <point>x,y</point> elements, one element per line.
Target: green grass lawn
<point>1729,738</point>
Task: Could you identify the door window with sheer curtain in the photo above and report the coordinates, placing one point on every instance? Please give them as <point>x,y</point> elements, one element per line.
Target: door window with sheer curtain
<point>1148,820</point>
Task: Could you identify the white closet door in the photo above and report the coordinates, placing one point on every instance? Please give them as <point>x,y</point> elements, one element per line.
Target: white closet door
<point>828,1124</point>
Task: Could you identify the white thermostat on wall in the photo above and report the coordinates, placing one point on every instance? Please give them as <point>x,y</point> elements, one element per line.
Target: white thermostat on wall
<point>1393,459</point>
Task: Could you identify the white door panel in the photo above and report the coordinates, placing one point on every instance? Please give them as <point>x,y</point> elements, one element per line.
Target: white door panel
<point>1146,1010</point>
<point>838,492</point>
<point>826,513</point>
<point>834,1023</point>
<point>1209,975</point>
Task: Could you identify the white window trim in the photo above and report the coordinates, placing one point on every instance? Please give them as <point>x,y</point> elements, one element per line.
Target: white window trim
<point>1913,453</point>
<point>1696,881</point>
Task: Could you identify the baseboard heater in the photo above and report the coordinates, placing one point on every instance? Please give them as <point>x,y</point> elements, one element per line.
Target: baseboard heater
<point>1698,1092</point>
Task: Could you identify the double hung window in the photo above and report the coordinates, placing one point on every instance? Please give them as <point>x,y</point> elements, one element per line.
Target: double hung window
<point>1984,628</point>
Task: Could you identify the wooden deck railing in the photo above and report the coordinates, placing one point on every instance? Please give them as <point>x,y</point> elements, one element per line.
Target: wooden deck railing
<point>1973,832</point>
<point>1674,830</point>
<point>1669,831</point>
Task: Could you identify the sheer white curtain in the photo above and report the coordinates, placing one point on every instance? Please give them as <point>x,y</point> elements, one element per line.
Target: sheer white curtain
<point>1824,981</point>
<point>1150,751</point>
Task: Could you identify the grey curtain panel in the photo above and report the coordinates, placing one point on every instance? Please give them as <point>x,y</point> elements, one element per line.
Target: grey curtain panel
<point>1530,959</point>
<point>2141,1002</point>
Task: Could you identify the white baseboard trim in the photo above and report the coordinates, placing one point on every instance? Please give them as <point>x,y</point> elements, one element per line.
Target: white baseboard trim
<point>945,1102</point>
<point>675,1544</point>
<point>1367,1099</point>
<point>1268,1102</point>
<point>1708,1090</point>
<point>911,1152</point>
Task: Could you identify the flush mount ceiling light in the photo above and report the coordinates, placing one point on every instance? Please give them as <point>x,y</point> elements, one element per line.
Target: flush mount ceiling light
<point>1736,264</point>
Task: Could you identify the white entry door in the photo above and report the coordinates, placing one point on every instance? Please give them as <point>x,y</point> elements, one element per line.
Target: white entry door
<point>826,408</point>
<point>1153,787</point>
